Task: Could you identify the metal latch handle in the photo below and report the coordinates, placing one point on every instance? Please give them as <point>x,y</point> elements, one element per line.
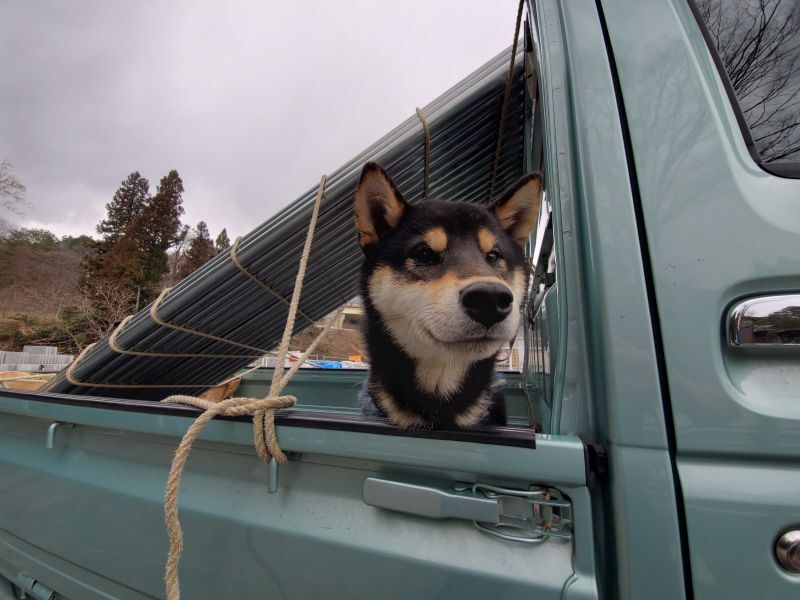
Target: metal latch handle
<point>429,502</point>
<point>529,516</point>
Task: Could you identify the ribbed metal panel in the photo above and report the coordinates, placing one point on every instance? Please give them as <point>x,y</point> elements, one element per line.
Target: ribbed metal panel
<point>220,300</point>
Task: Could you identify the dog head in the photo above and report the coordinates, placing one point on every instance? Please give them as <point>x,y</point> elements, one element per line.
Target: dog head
<point>445,278</point>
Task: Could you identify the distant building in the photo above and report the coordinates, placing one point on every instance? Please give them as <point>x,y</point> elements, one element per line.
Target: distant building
<point>352,315</point>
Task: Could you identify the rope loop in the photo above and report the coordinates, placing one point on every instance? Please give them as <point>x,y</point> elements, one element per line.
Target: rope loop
<point>267,447</point>
<point>237,263</point>
<point>262,410</point>
<point>504,106</point>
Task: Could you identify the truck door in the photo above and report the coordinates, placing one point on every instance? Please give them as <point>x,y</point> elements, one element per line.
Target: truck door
<point>712,99</point>
<point>361,510</point>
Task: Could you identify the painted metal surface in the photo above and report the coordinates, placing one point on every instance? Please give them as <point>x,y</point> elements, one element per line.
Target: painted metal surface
<point>611,392</point>
<point>719,229</point>
<point>558,459</point>
<point>96,501</point>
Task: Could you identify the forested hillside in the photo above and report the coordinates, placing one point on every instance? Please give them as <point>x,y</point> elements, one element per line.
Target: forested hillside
<point>69,292</point>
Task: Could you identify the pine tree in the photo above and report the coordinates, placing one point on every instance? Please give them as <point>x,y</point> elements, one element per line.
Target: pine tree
<point>127,204</point>
<point>114,259</point>
<point>121,264</point>
<point>156,229</point>
<point>223,242</point>
<point>137,232</point>
<point>201,250</point>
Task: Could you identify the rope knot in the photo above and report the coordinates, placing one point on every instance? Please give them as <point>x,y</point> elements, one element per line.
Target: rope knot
<point>261,409</point>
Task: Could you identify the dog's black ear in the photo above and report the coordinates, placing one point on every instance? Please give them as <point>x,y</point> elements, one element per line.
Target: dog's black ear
<point>518,210</point>
<point>379,206</point>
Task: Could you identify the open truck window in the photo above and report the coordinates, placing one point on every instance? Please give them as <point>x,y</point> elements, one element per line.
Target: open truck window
<point>482,137</point>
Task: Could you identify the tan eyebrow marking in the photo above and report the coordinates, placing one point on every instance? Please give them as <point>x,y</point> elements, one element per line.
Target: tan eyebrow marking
<point>486,240</point>
<point>436,238</point>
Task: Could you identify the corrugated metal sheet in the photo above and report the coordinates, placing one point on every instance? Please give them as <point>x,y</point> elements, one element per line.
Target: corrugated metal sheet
<point>219,300</point>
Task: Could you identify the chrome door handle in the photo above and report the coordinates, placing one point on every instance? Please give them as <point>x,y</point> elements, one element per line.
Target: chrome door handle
<point>765,321</point>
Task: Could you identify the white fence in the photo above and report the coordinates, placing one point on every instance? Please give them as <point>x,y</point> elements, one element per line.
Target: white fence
<point>43,359</point>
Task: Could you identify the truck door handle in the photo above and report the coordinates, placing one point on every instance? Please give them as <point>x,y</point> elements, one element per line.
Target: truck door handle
<point>518,515</point>
<point>765,321</point>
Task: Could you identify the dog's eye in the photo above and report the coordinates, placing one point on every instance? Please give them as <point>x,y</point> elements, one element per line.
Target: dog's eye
<point>494,256</point>
<point>424,255</point>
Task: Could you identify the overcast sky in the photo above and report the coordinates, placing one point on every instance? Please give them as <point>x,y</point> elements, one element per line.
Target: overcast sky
<point>250,101</point>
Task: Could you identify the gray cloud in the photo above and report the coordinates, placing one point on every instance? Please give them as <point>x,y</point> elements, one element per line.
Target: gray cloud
<point>249,101</point>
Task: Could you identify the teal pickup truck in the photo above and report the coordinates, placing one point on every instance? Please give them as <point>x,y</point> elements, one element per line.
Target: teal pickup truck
<point>653,448</point>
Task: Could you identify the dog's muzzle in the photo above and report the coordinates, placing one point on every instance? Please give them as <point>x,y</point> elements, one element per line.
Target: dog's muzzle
<point>487,303</point>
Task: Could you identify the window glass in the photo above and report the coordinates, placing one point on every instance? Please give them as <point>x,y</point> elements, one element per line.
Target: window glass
<point>758,42</point>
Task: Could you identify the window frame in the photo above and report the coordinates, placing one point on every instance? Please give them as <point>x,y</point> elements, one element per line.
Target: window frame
<point>509,435</point>
<point>519,437</point>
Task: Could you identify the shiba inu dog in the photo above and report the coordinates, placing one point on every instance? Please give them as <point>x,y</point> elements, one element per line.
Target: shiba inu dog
<point>442,285</point>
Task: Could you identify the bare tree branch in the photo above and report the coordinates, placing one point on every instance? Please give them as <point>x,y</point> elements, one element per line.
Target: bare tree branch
<point>12,192</point>
<point>759,44</point>
<point>91,315</point>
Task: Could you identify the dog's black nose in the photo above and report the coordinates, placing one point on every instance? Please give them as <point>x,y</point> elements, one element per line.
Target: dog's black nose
<point>487,303</point>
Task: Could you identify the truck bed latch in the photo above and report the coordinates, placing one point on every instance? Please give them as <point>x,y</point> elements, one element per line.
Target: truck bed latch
<point>529,516</point>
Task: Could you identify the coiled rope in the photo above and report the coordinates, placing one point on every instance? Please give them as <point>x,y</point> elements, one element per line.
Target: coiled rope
<point>262,410</point>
